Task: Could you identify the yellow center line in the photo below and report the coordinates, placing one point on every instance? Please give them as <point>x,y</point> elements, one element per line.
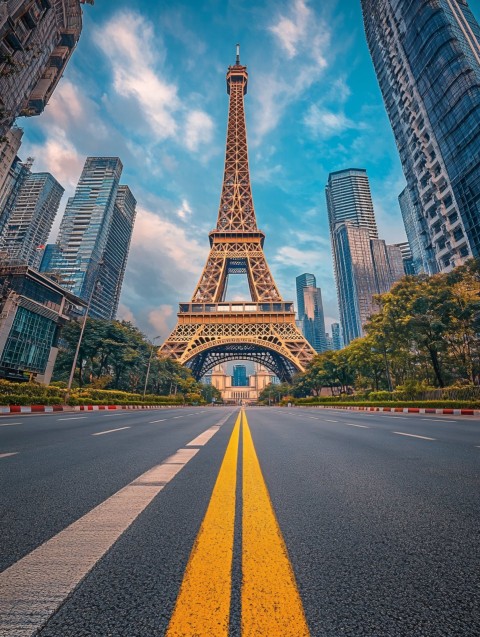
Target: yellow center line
<point>271,604</point>
<point>203,603</point>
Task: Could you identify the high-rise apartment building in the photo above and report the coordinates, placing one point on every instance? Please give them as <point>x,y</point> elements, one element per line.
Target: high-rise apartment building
<point>94,238</point>
<point>37,38</point>
<point>31,218</point>
<point>314,319</point>
<point>363,264</point>
<point>337,336</point>
<point>349,199</point>
<point>8,151</point>
<point>407,257</point>
<point>303,281</point>
<point>13,181</point>
<point>427,59</point>
<point>423,255</point>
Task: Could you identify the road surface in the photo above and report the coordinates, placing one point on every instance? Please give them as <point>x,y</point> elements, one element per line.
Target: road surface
<point>218,522</point>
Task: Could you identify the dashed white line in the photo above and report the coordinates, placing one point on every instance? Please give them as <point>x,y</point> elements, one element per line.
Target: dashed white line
<point>109,431</point>
<point>154,421</point>
<point>9,424</point>
<point>326,420</point>
<point>351,424</point>
<point>401,433</point>
<point>177,417</point>
<point>437,420</point>
<point>7,455</point>
<point>403,417</point>
<point>33,588</point>
<point>115,414</point>
<point>73,418</point>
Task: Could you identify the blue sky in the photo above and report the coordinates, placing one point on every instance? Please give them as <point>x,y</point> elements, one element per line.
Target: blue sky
<point>147,83</point>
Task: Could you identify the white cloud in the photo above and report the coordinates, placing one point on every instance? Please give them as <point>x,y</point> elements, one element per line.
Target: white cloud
<point>135,53</point>
<point>291,30</point>
<point>161,320</point>
<point>184,211</point>
<point>304,37</point>
<point>324,123</point>
<point>198,129</point>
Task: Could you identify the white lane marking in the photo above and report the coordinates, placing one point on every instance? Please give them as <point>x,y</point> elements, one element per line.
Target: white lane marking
<point>115,414</point>
<point>177,417</point>
<point>33,588</point>
<point>7,455</point>
<point>404,417</point>
<point>9,424</point>
<point>73,418</point>
<point>313,418</point>
<point>204,437</point>
<point>437,420</point>
<point>154,421</point>
<point>400,433</point>
<point>330,420</point>
<point>109,431</point>
<point>351,424</point>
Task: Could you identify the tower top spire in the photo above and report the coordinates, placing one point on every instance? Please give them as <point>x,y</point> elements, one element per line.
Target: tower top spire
<point>237,61</point>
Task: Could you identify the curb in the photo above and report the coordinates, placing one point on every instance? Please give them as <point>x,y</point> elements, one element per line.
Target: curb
<point>404,410</point>
<point>34,409</point>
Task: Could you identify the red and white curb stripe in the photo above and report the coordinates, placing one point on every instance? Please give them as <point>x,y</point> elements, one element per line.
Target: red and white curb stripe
<point>404,410</point>
<point>31,409</point>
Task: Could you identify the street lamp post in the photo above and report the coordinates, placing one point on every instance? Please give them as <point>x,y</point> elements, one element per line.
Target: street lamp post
<point>80,338</point>
<point>149,364</point>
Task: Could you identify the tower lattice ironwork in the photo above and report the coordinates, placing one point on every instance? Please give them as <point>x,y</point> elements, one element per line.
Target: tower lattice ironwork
<point>209,329</point>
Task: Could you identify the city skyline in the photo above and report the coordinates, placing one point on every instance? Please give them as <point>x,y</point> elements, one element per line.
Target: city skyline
<point>337,102</point>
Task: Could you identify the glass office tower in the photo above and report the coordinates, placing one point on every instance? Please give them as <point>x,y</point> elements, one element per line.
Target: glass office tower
<point>427,59</point>
<point>30,221</point>
<point>94,239</point>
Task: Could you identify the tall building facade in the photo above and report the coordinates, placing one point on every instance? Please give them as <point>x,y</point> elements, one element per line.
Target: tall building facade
<point>8,151</point>
<point>31,219</point>
<point>94,238</point>
<point>337,336</point>
<point>12,183</point>
<point>427,59</point>
<point>303,281</point>
<point>37,38</point>
<point>407,258</point>
<point>314,319</point>
<point>423,254</point>
<point>349,199</point>
<point>363,264</point>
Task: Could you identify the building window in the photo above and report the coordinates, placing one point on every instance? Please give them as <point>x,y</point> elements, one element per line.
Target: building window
<point>29,342</point>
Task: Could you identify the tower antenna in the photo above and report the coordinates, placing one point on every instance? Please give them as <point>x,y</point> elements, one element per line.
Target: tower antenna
<point>238,55</point>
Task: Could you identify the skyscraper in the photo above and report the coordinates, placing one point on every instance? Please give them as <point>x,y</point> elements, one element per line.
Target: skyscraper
<point>337,336</point>
<point>8,151</point>
<point>37,39</point>
<point>427,59</point>
<point>303,281</point>
<point>314,319</point>
<point>349,199</point>
<point>94,237</point>
<point>363,264</point>
<point>407,257</point>
<point>416,228</point>
<point>31,219</point>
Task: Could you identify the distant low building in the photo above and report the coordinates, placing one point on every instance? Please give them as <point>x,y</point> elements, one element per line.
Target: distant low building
<point>247,393</point>
<point>33,310</point>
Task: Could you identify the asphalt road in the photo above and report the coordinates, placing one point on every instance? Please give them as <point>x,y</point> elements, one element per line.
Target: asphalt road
<point>291,521</point>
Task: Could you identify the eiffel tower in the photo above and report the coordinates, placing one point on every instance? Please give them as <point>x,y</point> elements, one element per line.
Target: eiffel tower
<point>211,330</point>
